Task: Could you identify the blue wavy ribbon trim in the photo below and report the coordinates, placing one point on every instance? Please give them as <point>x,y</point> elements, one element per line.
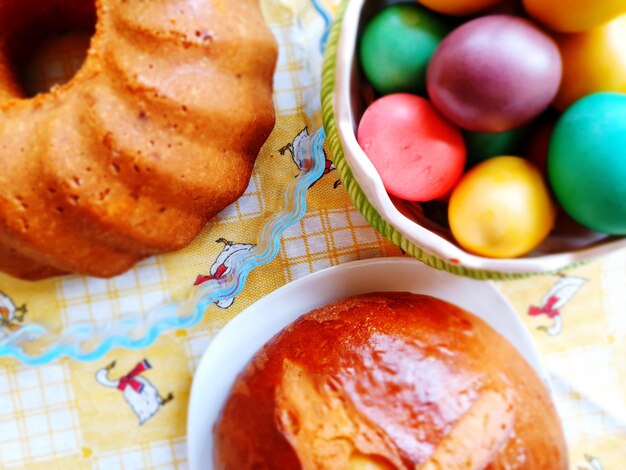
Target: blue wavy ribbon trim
<point>328,21</point>
<point>170,320</point>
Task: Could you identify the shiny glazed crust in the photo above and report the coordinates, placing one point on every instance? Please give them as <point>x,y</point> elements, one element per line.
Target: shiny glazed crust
<point>390,380</point>
<point>157,132</point>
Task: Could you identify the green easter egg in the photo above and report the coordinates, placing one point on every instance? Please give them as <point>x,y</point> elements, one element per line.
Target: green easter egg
<point>484,145</point>
<point>587,162</point>
<point>397,45</point>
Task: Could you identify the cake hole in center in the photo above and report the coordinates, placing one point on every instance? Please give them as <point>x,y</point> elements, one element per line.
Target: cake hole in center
<point>54,62</point>
<point>48,43</point>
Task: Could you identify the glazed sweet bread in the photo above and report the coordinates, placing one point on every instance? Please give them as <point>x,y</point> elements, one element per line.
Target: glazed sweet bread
<point>389,381</point>
<point>157,132</point>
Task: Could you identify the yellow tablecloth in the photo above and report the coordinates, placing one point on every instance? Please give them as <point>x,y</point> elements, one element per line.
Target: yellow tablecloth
<point>65,415</point>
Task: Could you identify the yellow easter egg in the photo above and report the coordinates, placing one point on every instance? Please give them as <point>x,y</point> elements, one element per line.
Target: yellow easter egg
<point>574,15</point>
<point>501,208</point>
<point>593,61</point>
<point>458,7</point>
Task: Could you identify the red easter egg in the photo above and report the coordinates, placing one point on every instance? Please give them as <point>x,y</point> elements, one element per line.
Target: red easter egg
<point>419,155</point>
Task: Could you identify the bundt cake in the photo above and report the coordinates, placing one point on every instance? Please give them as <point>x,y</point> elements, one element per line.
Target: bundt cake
<point>155,134</point>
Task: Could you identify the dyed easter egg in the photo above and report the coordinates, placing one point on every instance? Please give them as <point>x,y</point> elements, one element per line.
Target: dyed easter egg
<point>484,145</point>
<point>397,45</point>
<point>570,16</point>
<point>459,7</point>
<point>593,61</point>
<point>494,73</point>
<point>587,162</point>
<point>501,208</point>
<point>419,155</point>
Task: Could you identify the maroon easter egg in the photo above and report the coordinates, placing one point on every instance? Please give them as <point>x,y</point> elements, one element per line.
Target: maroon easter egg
<point>494,74</point>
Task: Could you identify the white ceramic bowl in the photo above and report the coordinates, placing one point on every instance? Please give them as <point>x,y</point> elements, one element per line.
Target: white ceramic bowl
<point>237,343</point>
<point>405,223</point>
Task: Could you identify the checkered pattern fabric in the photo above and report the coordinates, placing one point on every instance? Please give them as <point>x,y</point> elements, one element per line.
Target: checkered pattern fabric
<point>329,237</point>
<point>97,300</point>
<point>38,414</point>
<point>74,415</point>
<point>161,455</point>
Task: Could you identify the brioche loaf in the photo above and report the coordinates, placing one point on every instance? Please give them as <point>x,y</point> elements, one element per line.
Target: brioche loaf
<point>389,381</point>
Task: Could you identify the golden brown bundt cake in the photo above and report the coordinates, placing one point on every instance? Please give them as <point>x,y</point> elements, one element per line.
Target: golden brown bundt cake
<point>389,381</point>
<point>156,133</point>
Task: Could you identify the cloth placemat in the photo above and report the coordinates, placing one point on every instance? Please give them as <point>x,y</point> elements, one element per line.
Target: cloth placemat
<point>66,415</point>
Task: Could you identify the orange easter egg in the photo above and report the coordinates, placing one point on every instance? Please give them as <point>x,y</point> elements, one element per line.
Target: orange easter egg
<point>593,61</point>
<point>459,7</point>
<point>570,16</point>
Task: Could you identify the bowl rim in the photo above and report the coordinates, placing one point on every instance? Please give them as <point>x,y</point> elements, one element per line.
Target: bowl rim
<point>373,200</point>
<point>240,340</point>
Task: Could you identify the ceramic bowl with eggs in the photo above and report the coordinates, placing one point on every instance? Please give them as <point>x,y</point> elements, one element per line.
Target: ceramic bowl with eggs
<point>421,229</point>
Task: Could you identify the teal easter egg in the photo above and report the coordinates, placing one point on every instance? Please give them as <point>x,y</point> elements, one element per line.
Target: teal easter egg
<point>397,45</point>
<point>587,162</point>
<point>484,145</point>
